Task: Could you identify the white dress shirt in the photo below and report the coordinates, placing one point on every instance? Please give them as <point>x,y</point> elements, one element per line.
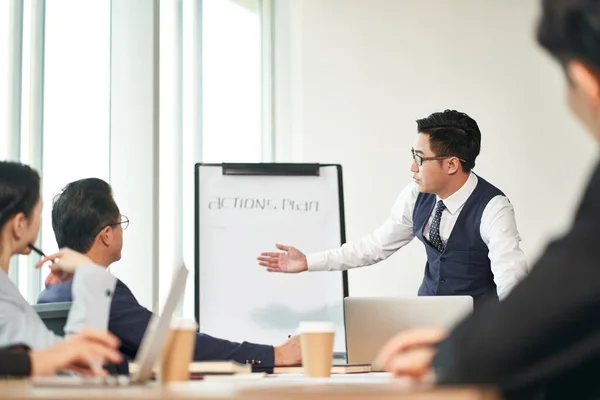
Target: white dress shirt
<point>498,231</point>
<point>92,290</point>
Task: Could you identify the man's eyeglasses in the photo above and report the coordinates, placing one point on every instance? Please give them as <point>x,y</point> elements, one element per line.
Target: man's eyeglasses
<point>124,222</point>
<point>420,160</point>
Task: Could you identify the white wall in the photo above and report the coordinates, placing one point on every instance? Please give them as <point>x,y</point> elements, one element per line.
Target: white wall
<point>352,76</point>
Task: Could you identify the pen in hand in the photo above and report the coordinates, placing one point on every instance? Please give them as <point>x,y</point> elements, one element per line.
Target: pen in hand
<point>41,253</point>
<point>32,247</point>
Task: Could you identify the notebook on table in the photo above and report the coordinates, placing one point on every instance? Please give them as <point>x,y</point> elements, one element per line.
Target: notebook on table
<point>209,368</point>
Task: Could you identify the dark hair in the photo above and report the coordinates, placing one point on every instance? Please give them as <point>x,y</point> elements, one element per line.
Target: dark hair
<point>19,190</point>
<point>452,133</point>
<point>570,29</point>
<point>81,211</point>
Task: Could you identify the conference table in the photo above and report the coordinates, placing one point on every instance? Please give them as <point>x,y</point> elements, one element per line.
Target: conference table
<point>376,386</point>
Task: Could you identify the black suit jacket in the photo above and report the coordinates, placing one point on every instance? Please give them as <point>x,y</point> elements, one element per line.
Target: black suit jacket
<point>543,340</point>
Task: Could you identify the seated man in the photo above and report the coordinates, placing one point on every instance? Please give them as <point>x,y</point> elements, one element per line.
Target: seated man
<point>86,218</point>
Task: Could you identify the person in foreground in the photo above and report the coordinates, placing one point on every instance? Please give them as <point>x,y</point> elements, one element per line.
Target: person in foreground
<point>73,354</point>
<point>20,209</point>
<point>543,340</point>
<point>86,218</point>
<point>466,224</point>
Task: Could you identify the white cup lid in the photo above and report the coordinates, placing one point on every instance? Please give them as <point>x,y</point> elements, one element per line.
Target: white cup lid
<point>316,327</point>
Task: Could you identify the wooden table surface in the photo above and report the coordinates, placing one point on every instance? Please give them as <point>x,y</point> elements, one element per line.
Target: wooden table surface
<point>266,388</point>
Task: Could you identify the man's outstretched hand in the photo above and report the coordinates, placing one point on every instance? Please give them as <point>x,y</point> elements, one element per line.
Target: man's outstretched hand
<point>289,260</point>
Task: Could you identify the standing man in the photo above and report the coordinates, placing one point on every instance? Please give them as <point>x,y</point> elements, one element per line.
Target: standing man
<point>466,224</point>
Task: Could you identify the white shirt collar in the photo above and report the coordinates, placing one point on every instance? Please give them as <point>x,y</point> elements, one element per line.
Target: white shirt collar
<point>454,202</point>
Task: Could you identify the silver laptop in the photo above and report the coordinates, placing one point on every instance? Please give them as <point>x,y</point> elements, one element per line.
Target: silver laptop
<point>372,321</point>
<point>150,349</point>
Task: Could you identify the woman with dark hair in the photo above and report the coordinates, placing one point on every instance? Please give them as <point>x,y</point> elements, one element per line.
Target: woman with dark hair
<point>20,214</point>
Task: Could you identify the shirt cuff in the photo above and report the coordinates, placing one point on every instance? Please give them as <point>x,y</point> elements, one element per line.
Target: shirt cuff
<point>317,262</point>
<point>16,363</point>
<point>92,293</point>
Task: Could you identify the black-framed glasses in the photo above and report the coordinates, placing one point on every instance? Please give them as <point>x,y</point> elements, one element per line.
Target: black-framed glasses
<point>420,160</point>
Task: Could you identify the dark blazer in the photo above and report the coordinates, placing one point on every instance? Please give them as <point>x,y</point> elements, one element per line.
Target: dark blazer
<point>128,321</point>
<point>543,340</point>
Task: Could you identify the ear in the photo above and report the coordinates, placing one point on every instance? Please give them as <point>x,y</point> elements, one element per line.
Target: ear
<point>453,165</point>
<point>20,224</point>
<point>106,236</point>
<point>586,80</point>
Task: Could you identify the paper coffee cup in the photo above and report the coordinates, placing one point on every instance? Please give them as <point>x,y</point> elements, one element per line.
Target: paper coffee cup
<point>179,351</point>
<point>316,341</point>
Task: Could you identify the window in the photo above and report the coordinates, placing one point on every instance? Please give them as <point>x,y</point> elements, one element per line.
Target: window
<point>76,135</point>
<point>5,37</point>
<point>220,120</point>
<point>231,80</point>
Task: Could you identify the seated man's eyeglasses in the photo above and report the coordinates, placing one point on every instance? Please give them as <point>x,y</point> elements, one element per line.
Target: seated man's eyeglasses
<point>124,222</point>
